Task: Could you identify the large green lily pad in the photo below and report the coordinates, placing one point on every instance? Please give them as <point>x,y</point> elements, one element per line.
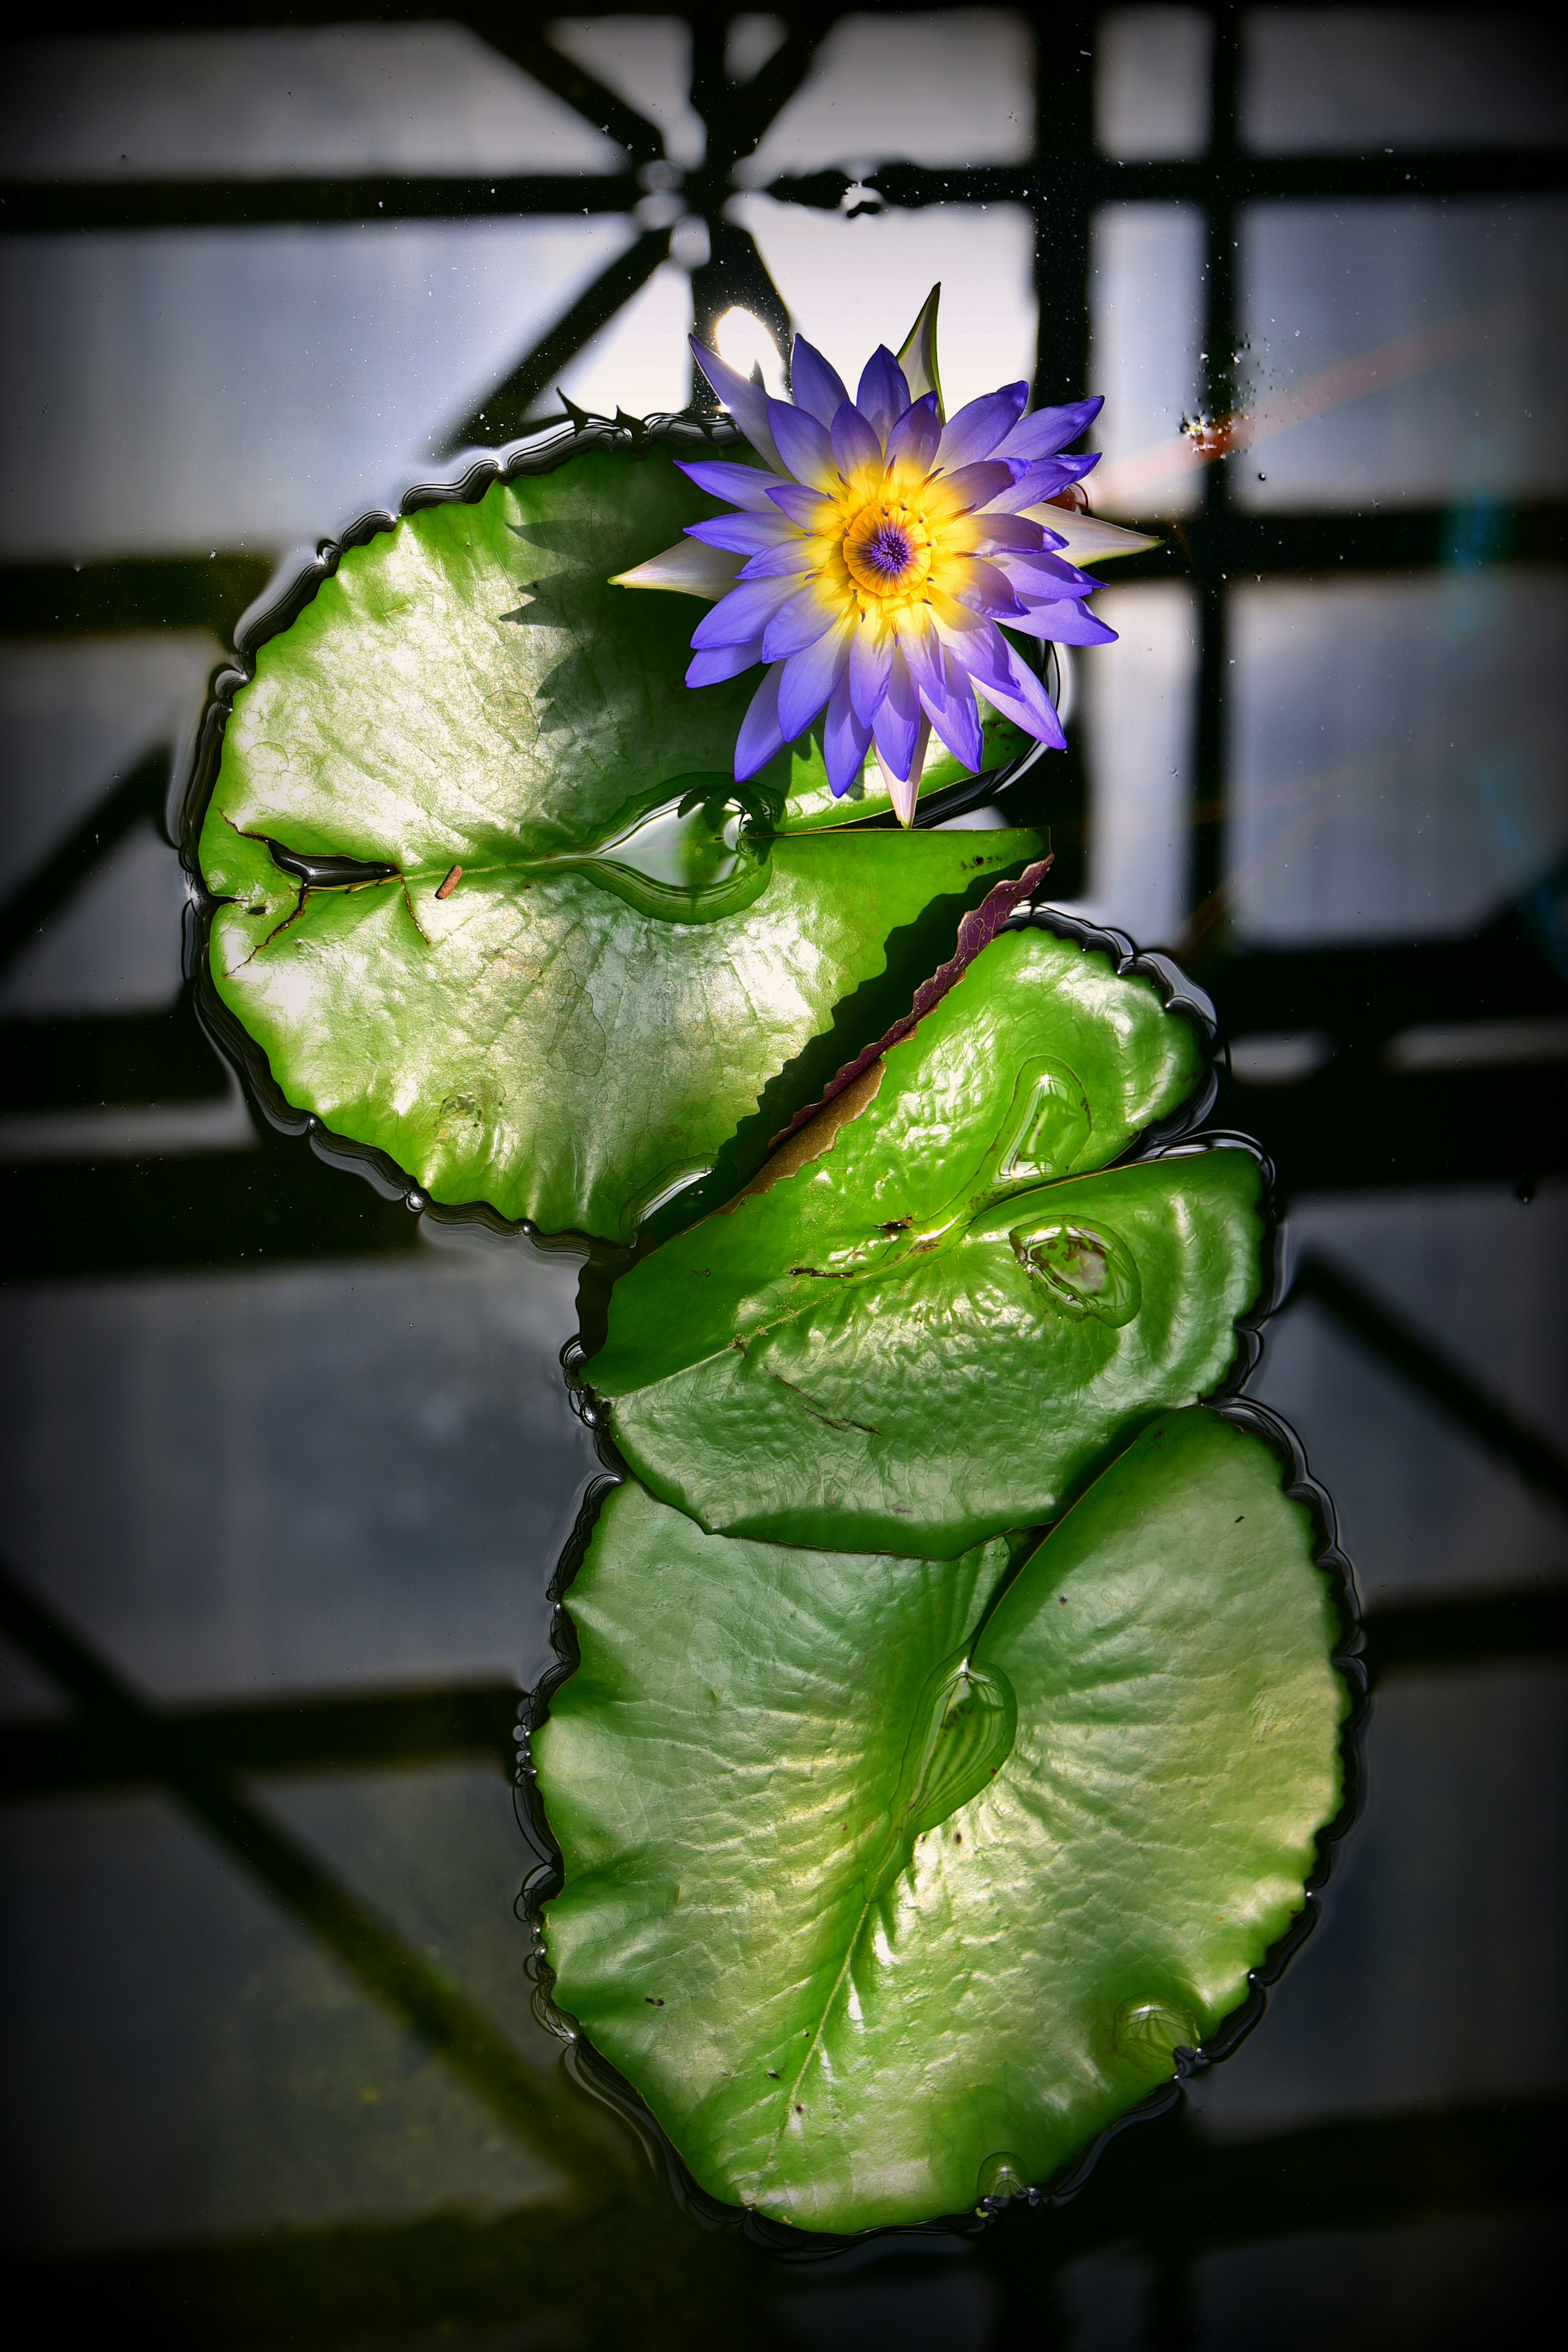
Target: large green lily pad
<point>576,1024</point>
<point>885,1903</point>
<point>926,1324</point>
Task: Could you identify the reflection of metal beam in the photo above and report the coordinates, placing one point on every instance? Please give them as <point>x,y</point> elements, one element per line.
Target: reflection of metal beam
<point>96,1060</point>
<point>1425,1365</point>
<point>349,1731</point>
<point>171,1753</point>
<point>391,1730</point>
<point>1470,1630</point>
<point>136,592</point>
<point>48,208</point>
<point>503,29</point>
<point>607,2279</point>
<point>248,1211</point>
<point>47,205</point>
<point>135,798</point>
<point>504,414</point>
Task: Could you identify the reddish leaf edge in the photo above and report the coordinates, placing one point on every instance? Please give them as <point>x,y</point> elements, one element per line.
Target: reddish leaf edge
<point>978,929</point>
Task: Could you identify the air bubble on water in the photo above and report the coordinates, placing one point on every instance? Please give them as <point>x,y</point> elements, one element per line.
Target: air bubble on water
<point>1000,2177</point>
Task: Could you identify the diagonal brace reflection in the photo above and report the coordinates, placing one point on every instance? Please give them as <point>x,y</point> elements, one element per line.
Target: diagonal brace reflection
<point>385,1966</point>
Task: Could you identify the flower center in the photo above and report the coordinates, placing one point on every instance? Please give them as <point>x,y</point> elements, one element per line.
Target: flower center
<point>888,549</point>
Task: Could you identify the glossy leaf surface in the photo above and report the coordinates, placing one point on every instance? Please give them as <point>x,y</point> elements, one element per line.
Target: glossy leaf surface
<point>866,1890</point>
<point>939,1326</point>
<point>575,1022</point>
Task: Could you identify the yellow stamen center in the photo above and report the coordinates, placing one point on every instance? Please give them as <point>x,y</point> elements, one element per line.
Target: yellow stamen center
<point>888,549</point>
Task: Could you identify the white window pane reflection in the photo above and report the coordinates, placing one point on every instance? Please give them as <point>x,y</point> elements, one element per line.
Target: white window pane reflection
<point>1337,81</point>
<point>1138,714</point>
<point>646,61</point>
<point>346,99</point>
<point>78,713</point>
<point>953,88</point>
<point>1152,82</point>
<point>197,389</point>
<point>1423,346</point>
<point>114,946</point>
<point>749,43</point>
<point>1146,264</point>
<point>641,361</point>
<point>1395,767</point>
<point>851,284</point>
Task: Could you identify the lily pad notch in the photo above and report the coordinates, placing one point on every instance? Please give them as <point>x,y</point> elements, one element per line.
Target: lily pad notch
<point>473,1026</point>
<point>1165,2058</point>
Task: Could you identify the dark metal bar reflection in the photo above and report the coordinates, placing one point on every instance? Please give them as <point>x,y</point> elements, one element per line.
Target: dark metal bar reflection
<point>391,1971</point>
<point>1425,1365</point>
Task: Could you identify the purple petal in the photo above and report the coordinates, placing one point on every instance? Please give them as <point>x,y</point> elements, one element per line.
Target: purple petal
<point>817,387</point>
<point>984,587</point>
<point>793,554</point>
<point>915,437</point>
<point>1038,484</point>
<point>976,485</point>
<point>803,446</point>
<point>744,486</point>
<point>976,645</point>
<point>898,719</point>
<point>760,736</point>
<point>921,648</point>
<point>855,442</point>
<point>1019,696</point>
<point>807,508</point>
<point>1050,429</point>
<point>1047,574</point>
<point>809,677</point>
<point>723,661</point>
<point>808,614</point>
<point>883,395</point>
<point>975,431</point>
<point>747,403</point>
<point>956,717</point>
<point>1004,534</point>
<point>744,534</point>
<point>1066,623</point>
<point>846,740</point>
<point>871,651</point>
<point>742,614</point>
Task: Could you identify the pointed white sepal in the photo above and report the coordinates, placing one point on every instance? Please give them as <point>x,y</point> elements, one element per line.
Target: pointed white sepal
<point>688,568</point>
<point>904,791</point>
<point>1089,540</point>
<point>917,355</point>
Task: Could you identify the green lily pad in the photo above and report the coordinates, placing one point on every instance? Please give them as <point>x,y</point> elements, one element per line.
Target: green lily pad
<point>493,905</point>
<point>886,1899</point>
<point>926,1323</point>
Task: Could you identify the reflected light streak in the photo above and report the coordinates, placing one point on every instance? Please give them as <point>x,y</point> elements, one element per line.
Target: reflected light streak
<point>1124,479</point>
<point>744,341</point>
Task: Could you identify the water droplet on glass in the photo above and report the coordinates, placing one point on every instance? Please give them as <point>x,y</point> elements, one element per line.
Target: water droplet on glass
<point>1083,1272</point>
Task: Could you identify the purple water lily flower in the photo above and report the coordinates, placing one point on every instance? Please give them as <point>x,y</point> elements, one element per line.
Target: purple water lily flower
<point>876,564</point>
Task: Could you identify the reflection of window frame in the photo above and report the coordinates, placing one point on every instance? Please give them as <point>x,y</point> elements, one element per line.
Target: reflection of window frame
<point>1062,185</point>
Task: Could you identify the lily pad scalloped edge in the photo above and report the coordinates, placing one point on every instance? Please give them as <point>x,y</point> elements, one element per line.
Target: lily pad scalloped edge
<point>286,596</point>
<point>595,2074</point>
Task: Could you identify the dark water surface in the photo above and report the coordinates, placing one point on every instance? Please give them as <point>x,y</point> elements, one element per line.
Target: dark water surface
<point>286,1469</point>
